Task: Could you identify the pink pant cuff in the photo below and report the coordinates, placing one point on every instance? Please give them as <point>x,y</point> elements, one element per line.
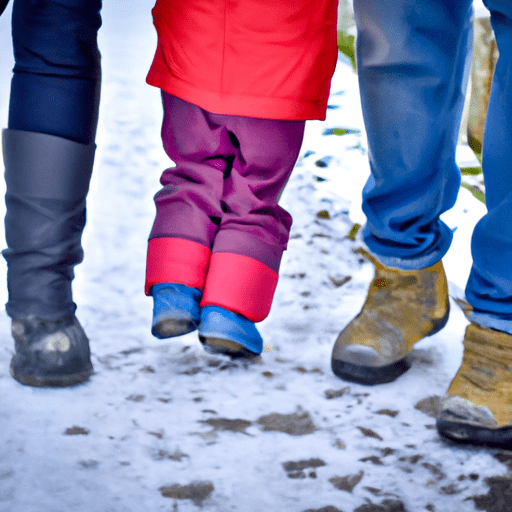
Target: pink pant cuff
<point>176,260</point>
<point>240,284</point>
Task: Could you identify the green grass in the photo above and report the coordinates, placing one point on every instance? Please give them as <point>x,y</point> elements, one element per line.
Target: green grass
<point>353,232</point>
<point>472,171</point>
<point>479,194</point>
<point>346,46</point>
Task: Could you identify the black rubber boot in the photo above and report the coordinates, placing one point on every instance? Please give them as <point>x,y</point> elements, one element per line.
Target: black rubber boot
<point>47,180</point>
<point>50,352</point>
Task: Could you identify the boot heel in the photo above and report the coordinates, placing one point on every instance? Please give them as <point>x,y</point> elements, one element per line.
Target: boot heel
<point>224,332</point>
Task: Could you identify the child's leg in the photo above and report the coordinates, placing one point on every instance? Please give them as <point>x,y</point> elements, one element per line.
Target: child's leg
<point>188,215</point>
<point>254,229</point>
<point>223,194</point>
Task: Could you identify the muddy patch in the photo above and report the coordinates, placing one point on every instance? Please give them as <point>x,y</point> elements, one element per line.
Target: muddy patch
<point>227,425</point>
<point>373,459</point>
<point>88,464</point>
<point>435,470</point>
<point>367,432</point>
<point>76,431</point>
<point>388,412</point>
<point>176,455</point>
<point>339,280</point>
<point>296,424</point>
<point>449,490</point>
<point>505,457</point>
<point>295,469</point>
<point>385,506</point>
<point>430,406</point>
<point>413,459</point>
<point>346,483</point>
<point>328,508</point>
<point>135,398</point>
<point>301,369</point>
<point>499,497</point>
<point>336,393</point>
<point>196,491</point>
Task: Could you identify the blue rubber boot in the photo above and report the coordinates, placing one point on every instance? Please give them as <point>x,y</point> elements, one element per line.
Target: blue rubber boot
<point>224,332</point>
<point>175,309</point>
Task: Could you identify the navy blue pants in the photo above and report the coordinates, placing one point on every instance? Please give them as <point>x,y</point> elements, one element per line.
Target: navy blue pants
<point>411,62</point>
<point>56,81</point>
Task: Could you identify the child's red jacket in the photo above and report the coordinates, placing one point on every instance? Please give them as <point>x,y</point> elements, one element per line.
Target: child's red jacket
<point>271,59</point>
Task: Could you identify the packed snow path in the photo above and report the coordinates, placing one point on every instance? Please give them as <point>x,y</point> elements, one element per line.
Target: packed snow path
<point>162,426</point>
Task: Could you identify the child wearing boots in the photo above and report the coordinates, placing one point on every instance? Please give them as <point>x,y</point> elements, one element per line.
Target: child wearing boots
<point>238,80</point>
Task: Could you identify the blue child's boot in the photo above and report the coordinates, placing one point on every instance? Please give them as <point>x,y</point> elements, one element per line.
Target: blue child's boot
<point>175,309</point>
<point>224,332</point>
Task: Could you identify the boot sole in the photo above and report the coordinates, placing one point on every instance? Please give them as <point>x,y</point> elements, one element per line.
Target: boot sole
<point>369,375</point>
<point>53,381</point>
<point>170,328</point>
<point>471,434</point>
<point>226,347</point>
<point>373,375</point>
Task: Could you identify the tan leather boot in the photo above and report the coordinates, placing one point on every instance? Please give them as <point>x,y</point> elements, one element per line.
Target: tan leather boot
<point>402,307</point>
<point>478,405</point>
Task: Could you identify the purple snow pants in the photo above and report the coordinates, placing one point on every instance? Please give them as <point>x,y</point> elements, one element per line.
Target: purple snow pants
<point>219,205</point>
<point>229,174</point>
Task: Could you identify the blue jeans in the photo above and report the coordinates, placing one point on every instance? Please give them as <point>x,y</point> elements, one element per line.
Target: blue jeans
<point>56,82</point>
<point>411,60</point>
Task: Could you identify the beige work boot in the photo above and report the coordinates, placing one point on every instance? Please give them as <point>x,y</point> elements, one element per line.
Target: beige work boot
<point>402,307</point>
<point>478,405</point>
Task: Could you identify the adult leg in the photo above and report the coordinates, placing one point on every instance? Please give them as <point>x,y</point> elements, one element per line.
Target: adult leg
<point>48,153</point>
<point>411,66</point>
<point>477,405</point>
<point>411,63</point>
<point>489,288</point>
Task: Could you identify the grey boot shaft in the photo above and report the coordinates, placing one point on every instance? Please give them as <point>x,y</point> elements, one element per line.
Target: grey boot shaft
<point>47,180</point>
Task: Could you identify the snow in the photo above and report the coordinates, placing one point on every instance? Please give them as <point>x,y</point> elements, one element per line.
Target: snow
<point>279,434</point>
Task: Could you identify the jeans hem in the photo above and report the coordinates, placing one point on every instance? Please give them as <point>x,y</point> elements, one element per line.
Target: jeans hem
<point>490,321</point>
<point>418,263</point>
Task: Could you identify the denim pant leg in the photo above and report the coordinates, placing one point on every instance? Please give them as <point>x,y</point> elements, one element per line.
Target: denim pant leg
<point>489,289</point>
<point>55,88</point>
<point>411,60</point>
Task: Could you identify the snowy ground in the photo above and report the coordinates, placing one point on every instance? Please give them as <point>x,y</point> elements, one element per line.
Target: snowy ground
<point>163,427</point>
